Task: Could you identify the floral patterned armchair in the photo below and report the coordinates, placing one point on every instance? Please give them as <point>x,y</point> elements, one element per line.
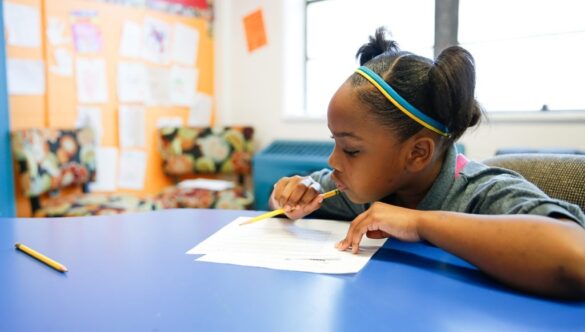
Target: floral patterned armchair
<point>49,160</point>
<point>189,152</point>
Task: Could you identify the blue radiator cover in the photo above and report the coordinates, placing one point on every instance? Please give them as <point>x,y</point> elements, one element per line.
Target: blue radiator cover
<point>286,158</point>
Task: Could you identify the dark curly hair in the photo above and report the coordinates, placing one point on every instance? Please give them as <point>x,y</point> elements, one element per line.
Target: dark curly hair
<point>442,89</point>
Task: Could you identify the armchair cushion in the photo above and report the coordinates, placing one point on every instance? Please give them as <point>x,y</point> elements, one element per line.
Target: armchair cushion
<point>51,159</point>
<point>189,150</point>
<point>207,151</point>
<point>234,199</point>
<point>95,204</point>
<point>561,176</point>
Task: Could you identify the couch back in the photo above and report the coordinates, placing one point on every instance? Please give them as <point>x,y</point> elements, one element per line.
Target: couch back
<point>212,150</point>
<point>49,159</point>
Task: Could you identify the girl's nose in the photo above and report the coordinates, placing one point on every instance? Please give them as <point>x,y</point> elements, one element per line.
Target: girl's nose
<point>333,162</point>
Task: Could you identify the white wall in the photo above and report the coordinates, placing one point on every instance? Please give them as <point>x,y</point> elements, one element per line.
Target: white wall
<point>535,131</point>
<point>258,88</point>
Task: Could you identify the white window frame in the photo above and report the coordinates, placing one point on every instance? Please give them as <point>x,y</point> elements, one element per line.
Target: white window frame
<point>530,115</point>
<point>405,25</point>
<point>514,57</point>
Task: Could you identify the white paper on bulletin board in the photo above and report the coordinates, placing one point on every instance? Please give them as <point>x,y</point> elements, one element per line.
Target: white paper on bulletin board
<point>158,90</point>
<point>200,110</point>
<point>131,126</point>
<point>57,31</point>
<point>106,169</point>
<point>92,84</point>
<point>132,82</point>
<point>185,44</point>
<point>86,32</point>
<point>25,77</point>
<point>131,40</point>
<point>91,117</point>
<point>183,85</point>
<point>132,170</point>
<point>23,25</point>
<point>157,41</point>
<point>63,62</point>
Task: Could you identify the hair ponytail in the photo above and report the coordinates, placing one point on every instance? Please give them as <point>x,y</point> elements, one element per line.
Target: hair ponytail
<point>452,82</point>
<point>378,44</point>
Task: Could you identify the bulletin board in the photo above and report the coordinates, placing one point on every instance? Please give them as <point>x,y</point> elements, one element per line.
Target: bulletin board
<point>85,45</point>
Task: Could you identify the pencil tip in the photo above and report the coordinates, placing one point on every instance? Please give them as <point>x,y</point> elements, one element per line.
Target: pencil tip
<point>245,222</point>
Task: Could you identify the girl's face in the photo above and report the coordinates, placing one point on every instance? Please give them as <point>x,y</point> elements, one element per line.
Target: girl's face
<point>367,160</point>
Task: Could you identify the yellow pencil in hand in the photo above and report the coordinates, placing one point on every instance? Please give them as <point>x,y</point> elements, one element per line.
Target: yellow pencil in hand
<point>52,263</point>
<point>281,211</point>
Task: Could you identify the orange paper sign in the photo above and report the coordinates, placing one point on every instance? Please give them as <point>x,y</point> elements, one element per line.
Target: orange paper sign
<point>255,32</point>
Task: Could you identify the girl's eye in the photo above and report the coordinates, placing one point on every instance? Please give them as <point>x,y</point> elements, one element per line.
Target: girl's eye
<point>351,153</point>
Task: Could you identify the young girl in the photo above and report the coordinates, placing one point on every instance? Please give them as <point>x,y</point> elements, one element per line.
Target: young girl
<point>394,122</point>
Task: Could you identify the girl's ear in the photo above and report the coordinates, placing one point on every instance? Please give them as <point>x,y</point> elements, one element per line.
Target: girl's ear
<point>421,149</point>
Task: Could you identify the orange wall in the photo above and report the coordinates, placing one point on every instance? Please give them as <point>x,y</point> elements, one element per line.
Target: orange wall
<point>58,108</point>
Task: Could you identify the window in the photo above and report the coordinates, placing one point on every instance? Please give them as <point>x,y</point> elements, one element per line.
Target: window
<point>529,54</point>
<point>337,28</point>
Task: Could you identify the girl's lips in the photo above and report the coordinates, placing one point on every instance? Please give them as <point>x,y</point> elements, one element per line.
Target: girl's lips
<point>340,185</point>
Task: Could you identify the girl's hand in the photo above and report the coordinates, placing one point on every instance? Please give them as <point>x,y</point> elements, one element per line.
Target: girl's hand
<point>297,195</point>
<point>381,220</point>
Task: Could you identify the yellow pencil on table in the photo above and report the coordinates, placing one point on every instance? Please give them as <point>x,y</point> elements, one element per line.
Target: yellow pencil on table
<point>281,211</point>
<point>52,263</point>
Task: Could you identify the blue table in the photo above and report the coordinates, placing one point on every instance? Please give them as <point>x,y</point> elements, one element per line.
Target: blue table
<point>130,273</point>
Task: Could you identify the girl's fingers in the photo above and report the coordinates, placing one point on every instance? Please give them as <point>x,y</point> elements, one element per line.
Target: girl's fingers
<point>298,196</point>
<point>284,199</point>
<point>302,210</point>
<point>377,234</point>
<point>351,232</point>
<point>314,204</point>
<point>312,193</point>
<point>278,192</point>
<point>298,190</point>
<point>356,239</point>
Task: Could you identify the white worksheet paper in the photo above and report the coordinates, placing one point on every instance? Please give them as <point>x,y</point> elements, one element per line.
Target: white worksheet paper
<point>304,245</point>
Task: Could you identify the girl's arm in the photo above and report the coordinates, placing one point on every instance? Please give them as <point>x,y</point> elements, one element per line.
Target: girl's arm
<point>532,253</point>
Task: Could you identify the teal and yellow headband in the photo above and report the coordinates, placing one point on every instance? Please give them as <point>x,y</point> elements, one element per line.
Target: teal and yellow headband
<point>403,105</point>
